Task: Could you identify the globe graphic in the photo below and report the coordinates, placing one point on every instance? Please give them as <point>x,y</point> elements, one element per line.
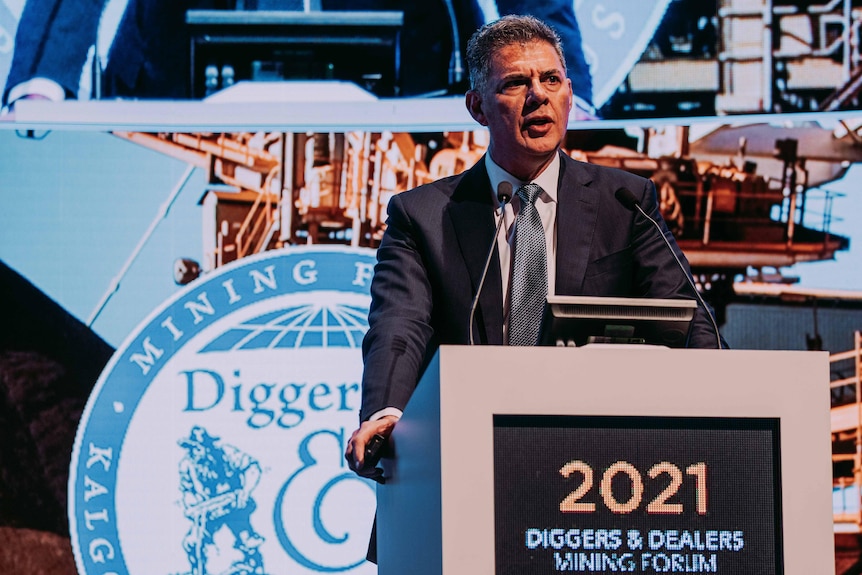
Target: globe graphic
<point>308,325</point>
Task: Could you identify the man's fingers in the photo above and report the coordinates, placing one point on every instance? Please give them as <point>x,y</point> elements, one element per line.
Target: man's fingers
<point>355,451</point>
<point>359,439</point>
<point>350,454</point>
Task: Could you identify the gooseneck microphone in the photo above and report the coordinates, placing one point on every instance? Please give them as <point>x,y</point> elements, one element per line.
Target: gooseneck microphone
<point>630,202</point>
<point>504,195</point>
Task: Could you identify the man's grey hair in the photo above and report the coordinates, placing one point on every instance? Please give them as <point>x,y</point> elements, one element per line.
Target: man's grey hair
<point>491,37</point>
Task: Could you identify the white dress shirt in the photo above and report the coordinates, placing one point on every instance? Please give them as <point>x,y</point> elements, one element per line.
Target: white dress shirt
<point>546,204</point>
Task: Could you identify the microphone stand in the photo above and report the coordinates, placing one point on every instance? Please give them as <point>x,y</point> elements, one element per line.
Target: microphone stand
<point>504,195</point>
<point>628,199</point>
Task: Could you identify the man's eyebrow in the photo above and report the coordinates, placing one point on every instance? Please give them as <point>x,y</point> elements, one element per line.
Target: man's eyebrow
<point>551,72</point>
<point>514,76</point>
<point>522,76</point>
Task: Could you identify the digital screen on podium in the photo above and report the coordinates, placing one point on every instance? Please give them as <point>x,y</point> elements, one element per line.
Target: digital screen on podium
<point>590,494</point>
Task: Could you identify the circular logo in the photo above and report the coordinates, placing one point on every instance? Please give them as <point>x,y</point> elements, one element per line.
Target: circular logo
<point>213,441</point>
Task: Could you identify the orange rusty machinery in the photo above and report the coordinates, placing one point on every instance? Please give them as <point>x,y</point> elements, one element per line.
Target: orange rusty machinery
<point>270,189</point>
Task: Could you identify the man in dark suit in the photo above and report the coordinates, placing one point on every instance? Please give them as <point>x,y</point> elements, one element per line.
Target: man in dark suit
<point>149,57</point>
<point>431,257</point>
<point>46,28</point>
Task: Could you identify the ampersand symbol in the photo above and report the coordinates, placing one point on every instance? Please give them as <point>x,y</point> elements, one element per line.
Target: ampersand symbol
<point>635,541</point>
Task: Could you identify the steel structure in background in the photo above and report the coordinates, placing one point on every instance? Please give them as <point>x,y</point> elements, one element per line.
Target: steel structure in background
<point>847,434</point>
<point>271,189</point>
<point>747,56</point>
<point>846,391</point>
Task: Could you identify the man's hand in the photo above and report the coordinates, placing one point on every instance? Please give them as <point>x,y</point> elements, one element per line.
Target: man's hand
<point>355,453</point>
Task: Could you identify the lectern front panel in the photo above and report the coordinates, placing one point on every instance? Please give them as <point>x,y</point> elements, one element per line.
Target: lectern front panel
<point>609,459</point>
<point>596,494</point>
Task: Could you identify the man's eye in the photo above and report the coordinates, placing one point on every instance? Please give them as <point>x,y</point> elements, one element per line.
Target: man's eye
<point>552,82</point>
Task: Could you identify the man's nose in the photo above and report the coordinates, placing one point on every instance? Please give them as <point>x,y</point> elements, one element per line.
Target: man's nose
<point>537,93</point>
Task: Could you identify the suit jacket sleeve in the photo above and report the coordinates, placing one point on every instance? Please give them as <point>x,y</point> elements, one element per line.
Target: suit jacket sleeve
<point>399,333</point>
<point>605,249</point>
<point>52,41</point>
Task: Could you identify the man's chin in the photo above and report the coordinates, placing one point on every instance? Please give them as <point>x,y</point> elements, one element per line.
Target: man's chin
<point>543,146</point>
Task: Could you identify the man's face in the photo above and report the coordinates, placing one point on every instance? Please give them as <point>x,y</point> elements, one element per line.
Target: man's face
<point>525,105</point>
<point>197,452</point>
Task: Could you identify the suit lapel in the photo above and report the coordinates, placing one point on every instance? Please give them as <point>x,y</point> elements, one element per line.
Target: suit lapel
<point>577,213</point>
<point>471,213</point>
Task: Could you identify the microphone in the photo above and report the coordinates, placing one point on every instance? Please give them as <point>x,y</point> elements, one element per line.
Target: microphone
<point>504,195</point>
<point>630,202</point>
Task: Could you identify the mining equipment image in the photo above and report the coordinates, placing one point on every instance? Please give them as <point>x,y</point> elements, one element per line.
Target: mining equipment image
<point>752,207</point>
<point>731,57</point>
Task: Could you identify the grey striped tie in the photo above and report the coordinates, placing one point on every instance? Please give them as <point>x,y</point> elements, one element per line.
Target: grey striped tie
<point>529,271</point>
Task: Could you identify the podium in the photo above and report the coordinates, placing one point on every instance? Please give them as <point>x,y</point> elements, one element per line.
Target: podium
<point>607,459</point>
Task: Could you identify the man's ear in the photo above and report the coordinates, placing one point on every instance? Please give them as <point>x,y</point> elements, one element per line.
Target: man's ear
<point>474,105</point>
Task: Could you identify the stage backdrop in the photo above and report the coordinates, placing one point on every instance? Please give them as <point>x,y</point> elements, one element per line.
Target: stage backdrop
<point>212,442</point>
<point>229,399</point>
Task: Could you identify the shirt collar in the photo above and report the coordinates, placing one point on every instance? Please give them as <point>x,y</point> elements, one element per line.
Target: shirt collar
<point>548,179</point>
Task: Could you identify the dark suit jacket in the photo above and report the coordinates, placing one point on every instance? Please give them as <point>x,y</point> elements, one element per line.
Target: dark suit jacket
<point>52,40</point>
<point>149,57</point>
<point>432,254</point>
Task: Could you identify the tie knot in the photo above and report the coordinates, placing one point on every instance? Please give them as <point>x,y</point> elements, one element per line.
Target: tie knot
<point>529,192</point>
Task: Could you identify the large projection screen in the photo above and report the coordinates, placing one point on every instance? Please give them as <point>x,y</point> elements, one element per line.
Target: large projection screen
<point>152,170</point>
